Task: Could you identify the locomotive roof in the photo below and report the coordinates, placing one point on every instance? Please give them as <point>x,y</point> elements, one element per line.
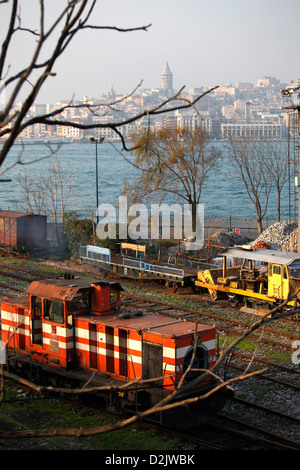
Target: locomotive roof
<point>147,323</point>
<point>65,289</point>
<point>260,254</point>
<point>20,301</point>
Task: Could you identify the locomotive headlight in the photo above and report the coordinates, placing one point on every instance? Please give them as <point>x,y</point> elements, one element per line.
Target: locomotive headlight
<point>200,361</point>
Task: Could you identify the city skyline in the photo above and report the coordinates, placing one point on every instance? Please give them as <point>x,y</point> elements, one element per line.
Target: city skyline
<point>205,45</point>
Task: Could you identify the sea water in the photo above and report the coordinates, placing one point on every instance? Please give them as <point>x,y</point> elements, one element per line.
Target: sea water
<point>224,195</point>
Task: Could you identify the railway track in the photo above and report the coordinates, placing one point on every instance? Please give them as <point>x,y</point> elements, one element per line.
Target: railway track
<point>6,267</point>
<point>225,435</point>
<point>226,432</point>
<point>204,301</point>
<point>221,434</point>
<point>224,325</point>
<point>235,328</point>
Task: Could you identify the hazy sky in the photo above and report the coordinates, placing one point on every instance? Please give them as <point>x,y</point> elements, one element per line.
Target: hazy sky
<point>206,43</point>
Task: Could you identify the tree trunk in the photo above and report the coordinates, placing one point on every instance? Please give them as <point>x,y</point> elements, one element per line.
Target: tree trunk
<point>194,216</point>
<point>258,217</point>
<point>259,226</point>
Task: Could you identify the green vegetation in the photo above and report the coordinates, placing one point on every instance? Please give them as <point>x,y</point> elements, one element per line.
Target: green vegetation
<point>78,232</point>
<point>81,232</point>
<point>33,412</point>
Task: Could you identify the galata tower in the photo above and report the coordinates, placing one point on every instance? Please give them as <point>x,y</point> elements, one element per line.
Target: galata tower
<point>166,78</point>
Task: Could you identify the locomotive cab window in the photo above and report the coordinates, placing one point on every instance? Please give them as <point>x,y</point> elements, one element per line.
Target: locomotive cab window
<point>294,269</point>
<point>81,301</point>
<point>54,311</point>
<point>270,270</point>
<point>36,306</point>
<point>276,269</point>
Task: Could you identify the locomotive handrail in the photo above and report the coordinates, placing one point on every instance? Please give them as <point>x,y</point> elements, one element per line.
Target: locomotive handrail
<point>97,254</point>
<point>153,267</point>
<point>170,376</point>
<point>132,363</point>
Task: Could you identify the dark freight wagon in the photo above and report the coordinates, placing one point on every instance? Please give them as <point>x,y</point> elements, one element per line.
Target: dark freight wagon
<point>23,231</point>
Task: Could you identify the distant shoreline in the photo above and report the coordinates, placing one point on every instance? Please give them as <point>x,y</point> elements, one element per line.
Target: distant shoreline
<point>66,140</point>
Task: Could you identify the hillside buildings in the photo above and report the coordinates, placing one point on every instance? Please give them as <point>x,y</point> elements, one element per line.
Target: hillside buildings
<point>243,110</point>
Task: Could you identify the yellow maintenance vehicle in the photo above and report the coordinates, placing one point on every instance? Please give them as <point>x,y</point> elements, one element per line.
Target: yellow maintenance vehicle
<point>259,277</point>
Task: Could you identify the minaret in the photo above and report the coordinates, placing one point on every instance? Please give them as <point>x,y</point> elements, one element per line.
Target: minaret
<point>166,78</point>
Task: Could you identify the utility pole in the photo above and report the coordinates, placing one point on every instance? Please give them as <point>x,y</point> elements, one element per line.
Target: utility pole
<point>97,141</point>
<point>289,91</point>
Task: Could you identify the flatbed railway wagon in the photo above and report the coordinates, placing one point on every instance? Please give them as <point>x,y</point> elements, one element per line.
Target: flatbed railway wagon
<point>260,277</point>
<point>72,333</point>
<point>137,267</point>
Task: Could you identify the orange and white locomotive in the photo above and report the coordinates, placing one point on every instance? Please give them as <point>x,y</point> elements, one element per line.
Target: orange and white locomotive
<point>71,331</point>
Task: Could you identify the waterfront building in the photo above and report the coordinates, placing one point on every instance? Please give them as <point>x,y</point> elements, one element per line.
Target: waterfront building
<point>69,132</point>
<point>104,132</point>
<point>256,130</point>
<point>191,120</point>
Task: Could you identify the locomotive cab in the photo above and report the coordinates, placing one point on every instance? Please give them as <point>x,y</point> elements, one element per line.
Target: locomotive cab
<point>278,281</point>
<point>54,304</point>
<point>259,276</point>
<point>45,329</point>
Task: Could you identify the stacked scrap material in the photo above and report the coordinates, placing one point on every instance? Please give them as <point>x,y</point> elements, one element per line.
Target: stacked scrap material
<point>279,236</point>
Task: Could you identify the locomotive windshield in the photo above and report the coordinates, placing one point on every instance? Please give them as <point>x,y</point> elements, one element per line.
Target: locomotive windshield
<point>54,310</point>
<point>294,269</point>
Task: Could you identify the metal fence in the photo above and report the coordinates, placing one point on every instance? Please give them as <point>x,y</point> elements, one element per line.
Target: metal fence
<point>247,228</point>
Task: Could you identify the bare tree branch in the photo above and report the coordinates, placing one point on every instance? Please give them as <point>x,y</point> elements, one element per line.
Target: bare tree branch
<point>75,21</point>
<point>73,18</point>
<point>249,159</point>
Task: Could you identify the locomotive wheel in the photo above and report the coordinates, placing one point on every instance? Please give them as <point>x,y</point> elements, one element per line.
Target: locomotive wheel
<point>171,286</point>
<point>234,300</point>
